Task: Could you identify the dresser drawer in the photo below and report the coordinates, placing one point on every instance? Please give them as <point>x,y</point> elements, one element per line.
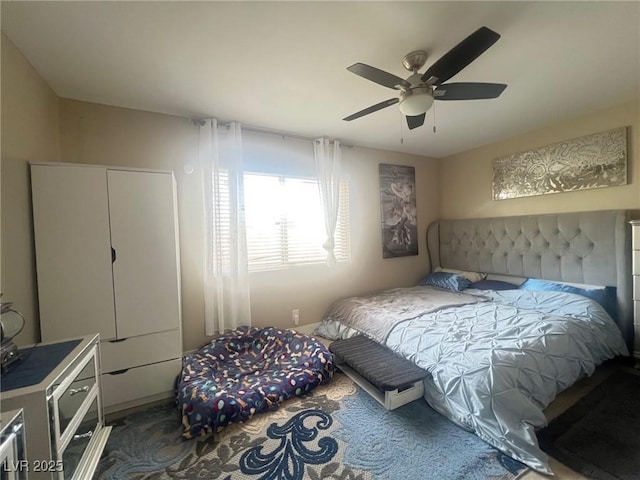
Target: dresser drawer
<point>636,287</point>
<point>78,384</point>
<point>636,237</point>
<point>76,393</point>
<point>140,382</point>
<point>142,350</point>
<point>73,454</point>
<point>636,262</point>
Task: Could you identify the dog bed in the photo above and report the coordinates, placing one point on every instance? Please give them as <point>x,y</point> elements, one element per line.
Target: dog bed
<point>247,371</point>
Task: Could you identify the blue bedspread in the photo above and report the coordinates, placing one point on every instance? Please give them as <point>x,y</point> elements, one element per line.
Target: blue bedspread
<point>496,365</point>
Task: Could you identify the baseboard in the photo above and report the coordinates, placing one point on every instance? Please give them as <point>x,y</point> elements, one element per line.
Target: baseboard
<point>122,409</point>
<point>306,329</point>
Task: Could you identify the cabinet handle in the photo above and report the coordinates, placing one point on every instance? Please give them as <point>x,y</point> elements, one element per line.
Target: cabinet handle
<point>78,436</point>
<point>113,255</point>
<point>73,391</point>
<point>119,372</point>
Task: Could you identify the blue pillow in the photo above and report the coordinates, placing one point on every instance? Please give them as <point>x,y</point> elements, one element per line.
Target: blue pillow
<point>449,281</point>
<point>605,296</point>
<point>493,285</point>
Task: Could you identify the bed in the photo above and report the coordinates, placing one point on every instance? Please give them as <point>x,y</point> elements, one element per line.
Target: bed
<point>497,358</point>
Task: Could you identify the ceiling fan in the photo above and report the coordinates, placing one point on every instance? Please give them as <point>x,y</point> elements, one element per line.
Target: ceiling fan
<point>418,92</point>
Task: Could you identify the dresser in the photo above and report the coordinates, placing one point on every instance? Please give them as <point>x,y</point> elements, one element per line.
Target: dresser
<point>635,265</point>
<point>59,390</point>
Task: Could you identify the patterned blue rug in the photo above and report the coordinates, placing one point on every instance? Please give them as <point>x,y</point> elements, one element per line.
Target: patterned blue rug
<point>338,432</point>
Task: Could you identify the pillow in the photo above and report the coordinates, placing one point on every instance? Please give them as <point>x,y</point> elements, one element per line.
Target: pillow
<point>449,281</point>
<point>605,296</point>
<point>493,285</point>
<point>471,276</point>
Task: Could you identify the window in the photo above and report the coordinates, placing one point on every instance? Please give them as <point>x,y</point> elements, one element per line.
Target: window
<point>222,229</point>
<point>285,222</point>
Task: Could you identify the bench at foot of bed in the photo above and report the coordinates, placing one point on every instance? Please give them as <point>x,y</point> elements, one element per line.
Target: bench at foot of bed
<point>389,378</point>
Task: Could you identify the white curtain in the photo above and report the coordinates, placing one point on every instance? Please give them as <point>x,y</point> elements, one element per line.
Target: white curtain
<point>328,159</point>
<point>226,276</point>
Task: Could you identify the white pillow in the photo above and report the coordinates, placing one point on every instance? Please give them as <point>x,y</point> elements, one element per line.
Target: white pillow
<point>471,276</point>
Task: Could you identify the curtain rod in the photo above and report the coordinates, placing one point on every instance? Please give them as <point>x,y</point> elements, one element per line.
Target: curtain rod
<point>277,133</point>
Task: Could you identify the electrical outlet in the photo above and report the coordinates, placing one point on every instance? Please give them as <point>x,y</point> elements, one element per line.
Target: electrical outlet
<point>295,315</point>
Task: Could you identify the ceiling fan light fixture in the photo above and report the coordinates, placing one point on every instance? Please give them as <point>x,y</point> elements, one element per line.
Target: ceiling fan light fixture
<point>416,102</point>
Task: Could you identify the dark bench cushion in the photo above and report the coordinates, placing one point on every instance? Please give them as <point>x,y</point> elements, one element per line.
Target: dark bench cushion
<point>376,363</point>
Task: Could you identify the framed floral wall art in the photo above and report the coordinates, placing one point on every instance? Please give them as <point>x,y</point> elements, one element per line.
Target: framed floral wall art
<point>398,211</point>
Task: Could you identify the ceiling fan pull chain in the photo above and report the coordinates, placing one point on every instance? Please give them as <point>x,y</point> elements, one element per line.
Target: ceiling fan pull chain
<point>434,117</point>
<point>401,133</point>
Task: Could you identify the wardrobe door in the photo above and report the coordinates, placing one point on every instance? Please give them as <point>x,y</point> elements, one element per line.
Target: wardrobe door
<point>73,251</point>
<point>143,235</point>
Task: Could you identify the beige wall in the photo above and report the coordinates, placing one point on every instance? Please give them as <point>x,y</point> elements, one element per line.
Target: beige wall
<point>103,135</point>
<point>465,179</point>
<point>311,289</point>
<point>36,125</point>
<point>99,134</point>
<point>29,132</point>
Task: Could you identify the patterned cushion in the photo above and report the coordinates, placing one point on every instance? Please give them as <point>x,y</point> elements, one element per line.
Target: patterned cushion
<point>247,371</point>
<point>471,276</point>
<point>449,281</point>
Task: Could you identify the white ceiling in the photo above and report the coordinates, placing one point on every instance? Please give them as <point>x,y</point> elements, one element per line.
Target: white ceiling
<point>282,65</point>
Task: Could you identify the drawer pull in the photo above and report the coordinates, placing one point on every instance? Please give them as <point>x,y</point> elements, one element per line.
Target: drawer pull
<point>78,436</point>
<point>73,391</point>
<point>119,372</point>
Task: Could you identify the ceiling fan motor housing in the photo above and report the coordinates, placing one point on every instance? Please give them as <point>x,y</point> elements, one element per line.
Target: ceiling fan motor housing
<point>414,61</point>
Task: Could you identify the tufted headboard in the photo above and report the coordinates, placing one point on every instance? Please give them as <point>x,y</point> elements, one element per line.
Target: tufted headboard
<point>591,248</point>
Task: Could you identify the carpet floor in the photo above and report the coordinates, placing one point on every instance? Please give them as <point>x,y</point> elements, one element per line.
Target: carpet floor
<point>337,432</point>
<point>599,436</point>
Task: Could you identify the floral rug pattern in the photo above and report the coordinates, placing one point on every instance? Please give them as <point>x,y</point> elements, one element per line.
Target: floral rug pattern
<point>337,432</point>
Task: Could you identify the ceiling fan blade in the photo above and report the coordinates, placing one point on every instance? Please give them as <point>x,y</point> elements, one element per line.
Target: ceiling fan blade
<point>378,76</point>
<point>468,91</point>
<point>371,109</point>
<point>415,121</point>
<point>461,55</point>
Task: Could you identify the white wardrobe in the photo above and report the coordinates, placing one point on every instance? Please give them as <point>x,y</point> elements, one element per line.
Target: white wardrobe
<point>107,262</point>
